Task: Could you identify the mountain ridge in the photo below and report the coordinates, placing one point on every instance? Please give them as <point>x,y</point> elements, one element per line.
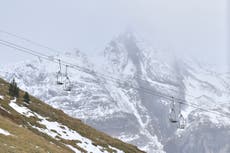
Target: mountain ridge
<point>134,115</point>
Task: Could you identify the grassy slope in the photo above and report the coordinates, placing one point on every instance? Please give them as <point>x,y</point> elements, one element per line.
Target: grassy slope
<point>13,119</point>
<point>23,140</point>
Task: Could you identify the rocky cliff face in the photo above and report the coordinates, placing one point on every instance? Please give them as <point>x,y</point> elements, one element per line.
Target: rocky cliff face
<point>105,98</point>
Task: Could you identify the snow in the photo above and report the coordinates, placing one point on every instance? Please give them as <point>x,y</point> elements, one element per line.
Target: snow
<point>117,150</point>
<point>206,89</point>
<point>20,109</point>
<point>1,97</point>
<point>57,130</point>
<point>4,132</point>
<point>128,138</point>
<point>74,149</point>
<point>5,109</point>
<point>199,86</point>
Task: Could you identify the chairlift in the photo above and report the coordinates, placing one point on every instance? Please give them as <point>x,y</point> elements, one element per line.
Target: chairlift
<point>181,122</point>
<point>181,119</point>
<point>67,82</point>
<point>59,74</point>
<point>172,112</point>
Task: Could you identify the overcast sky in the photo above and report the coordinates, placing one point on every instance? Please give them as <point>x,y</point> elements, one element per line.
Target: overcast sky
<point>194,27</point>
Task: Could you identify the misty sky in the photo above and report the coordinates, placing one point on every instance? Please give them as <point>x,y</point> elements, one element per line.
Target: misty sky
<point>194,27</point>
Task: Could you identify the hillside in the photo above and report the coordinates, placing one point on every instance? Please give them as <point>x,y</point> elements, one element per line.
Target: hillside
<point>37,127</point>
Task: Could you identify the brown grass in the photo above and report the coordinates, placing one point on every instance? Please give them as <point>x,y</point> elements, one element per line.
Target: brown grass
<point>23,140</point>
<point>98,138</point>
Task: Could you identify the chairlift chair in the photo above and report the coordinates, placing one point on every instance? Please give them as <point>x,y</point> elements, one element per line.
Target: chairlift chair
<point>59,78</point>
<point>172,113</point>
<point>173,116</point>
<point>67,82</point>
<point>181,119</point>
<point>181,122</point>
<point>59,74</point>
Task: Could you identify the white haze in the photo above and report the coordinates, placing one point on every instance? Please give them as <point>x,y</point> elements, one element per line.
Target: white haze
<point>196,28</point>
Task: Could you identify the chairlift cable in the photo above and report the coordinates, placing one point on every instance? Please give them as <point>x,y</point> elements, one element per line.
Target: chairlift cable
<point>86,70</point>
<point>30,41</point>
<point>58,52</point>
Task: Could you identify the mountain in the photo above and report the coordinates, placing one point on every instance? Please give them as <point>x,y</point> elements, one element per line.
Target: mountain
<point>122,95</point>
<point>37,127</point>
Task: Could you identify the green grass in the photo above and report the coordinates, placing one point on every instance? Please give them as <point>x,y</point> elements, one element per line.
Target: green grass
<point>98,138</point>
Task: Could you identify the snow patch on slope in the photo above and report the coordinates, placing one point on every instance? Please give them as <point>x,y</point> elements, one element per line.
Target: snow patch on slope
<point>4,132</point>
<point>1,97</point>
<point>20,109</point>
<point>57,130</point>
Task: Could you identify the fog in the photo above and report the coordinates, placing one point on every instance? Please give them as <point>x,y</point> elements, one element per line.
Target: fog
<point>197,28</point>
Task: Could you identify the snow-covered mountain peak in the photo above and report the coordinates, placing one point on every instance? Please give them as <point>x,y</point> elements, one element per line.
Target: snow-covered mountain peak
<point>128,54</point>
<point>134,115</point>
